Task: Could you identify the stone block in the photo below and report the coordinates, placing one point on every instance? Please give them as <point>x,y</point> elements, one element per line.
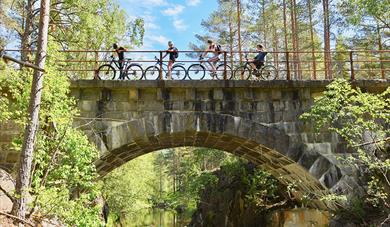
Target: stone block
<point>190,94</point>
<point>331,177</point>
<point>289,116</point>
<point>177,94</point>
<point>218,94</point>
<point>278,105</point>
<point>89,94</point>
<point>261,95</point>
<point>245,106</point>
<point>87,106</point>
<point>133,94</point>
<point>120,95</point>
<point>276,94</point>
<point>315,95</point>
<point>76,94</point>
<point>319,167</point>
<point>278,116</point>
<point>304,94</point>
<point>262,106</point>
<point>248,94</point>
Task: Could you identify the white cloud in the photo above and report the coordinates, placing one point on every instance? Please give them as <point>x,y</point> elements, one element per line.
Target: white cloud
<point>151,26</point>
<point>179,25</point>
<point>174,10</point>
<point>160,39</point>
<point>150,22</point>
<point>193,2</point>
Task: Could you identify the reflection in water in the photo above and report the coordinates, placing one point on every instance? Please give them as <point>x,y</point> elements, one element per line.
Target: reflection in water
<point>157,218</point>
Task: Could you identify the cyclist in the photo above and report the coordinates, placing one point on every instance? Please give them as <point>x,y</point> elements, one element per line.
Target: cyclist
<point>216,50</point>
<point>120,52</point>
<point>258,61</point>
<point>173,54</point>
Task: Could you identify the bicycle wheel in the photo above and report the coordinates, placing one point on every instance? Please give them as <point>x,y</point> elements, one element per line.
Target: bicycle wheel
<point>242,73</point>
<point>152,73</point>
<point>178,72</point>
<point>221,70</point>
<point>196,71</point>
<point>269,72</point>
<point>134,72</point>
<point>106,72</point>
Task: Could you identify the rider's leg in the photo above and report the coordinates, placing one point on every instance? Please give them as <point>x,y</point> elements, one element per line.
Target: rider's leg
<point>213,61</point>
<point>253,66</point>
<point>120,63</point>
<point>170,64</point>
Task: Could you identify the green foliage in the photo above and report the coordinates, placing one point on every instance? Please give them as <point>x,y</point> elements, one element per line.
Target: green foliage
<point>128,189</point>
<point>356,11</point>
<point>64,178</point>
<point>362,120</point>
<point>351,113</point>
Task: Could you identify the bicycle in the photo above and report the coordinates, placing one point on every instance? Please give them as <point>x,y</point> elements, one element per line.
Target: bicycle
<point>178,71</point>
<point>199,70</point>
<point>108,71</point>
<point>266,72</point>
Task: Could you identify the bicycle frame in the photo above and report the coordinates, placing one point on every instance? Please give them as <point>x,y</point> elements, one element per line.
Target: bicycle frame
<point>164,64</point>
<point>126,64</point>
<point>207,64</point>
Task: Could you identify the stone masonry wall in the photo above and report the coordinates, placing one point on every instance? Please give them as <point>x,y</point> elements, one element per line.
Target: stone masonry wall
<point>256,120</point>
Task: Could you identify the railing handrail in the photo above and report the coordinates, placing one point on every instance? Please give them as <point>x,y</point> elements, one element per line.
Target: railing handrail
<point>201,51</point>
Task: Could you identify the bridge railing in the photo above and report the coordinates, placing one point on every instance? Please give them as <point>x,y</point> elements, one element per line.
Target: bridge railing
<point>303,65</point>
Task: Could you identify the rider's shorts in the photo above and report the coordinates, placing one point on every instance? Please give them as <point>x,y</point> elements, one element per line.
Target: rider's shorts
<point>215,58</point>
<point>258,64</point>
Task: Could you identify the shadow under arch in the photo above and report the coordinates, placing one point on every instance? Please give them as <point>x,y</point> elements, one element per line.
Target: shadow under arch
<point>269,148</point>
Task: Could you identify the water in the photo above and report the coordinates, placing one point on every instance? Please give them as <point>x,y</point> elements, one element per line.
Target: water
<point>156,218</point>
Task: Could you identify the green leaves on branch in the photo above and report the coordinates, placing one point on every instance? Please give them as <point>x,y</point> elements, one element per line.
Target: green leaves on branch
<point>351,113</point>
<point>64,179</point>
<point>362,120</point>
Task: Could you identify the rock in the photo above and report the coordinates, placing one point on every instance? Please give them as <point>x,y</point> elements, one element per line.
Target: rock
<point>8,184</point>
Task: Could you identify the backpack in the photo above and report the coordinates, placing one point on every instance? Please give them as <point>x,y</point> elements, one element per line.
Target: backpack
<point>218,48</point>
<point>176,53</point>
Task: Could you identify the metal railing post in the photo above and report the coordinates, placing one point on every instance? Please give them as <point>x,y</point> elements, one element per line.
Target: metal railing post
<point>288,66</point>
<point>351,65</point>
<point>161,65</point>
<point>96,64</point>
<point>224,66</point>
<point>381,63</point>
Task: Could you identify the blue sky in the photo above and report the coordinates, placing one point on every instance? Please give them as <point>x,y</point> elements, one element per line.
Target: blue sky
<point>168,20</point>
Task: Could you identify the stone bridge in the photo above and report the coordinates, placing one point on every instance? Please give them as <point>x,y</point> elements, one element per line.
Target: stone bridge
<point>258,121</point>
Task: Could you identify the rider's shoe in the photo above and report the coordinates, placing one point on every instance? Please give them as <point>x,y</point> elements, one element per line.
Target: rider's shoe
<point>213,75</point>
<point>168,77</point>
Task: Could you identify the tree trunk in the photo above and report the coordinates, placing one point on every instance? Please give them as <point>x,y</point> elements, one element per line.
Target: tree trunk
<point>327,56</point>
<point>296,39</point>
<point>275,44</point>
<point>26,35</point>
<point>24,175</point>
<point>314,74</point>
<point>380,48</point>
<point>294,33</point>
<point>286,38</point>
<point>239,30</point>
<point>264,23</point>
<point>231,36</point>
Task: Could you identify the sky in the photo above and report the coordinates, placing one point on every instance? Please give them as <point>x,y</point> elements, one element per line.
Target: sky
<point>166,20</point>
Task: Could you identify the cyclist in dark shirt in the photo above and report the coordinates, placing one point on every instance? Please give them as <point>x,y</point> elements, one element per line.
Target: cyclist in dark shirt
<point>258,61</point>
<point>172,51</point>
<point>120,51</point>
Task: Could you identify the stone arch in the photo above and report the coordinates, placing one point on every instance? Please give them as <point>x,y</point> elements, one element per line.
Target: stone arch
<point>268,147</point>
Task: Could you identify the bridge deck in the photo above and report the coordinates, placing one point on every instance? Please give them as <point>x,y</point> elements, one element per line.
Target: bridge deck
<point>378,84</point>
